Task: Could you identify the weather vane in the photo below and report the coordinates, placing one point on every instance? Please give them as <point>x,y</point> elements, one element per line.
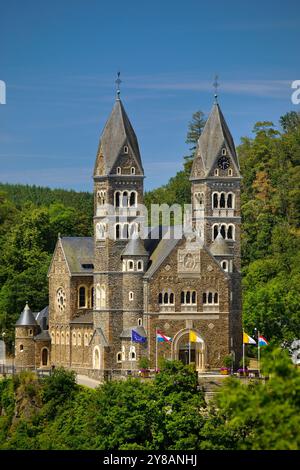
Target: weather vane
<point>118,83</point>
<point>216,85</point>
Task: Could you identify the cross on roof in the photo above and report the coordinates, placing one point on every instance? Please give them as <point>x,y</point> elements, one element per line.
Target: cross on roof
<point>216,85</point>
<point>118,82</point>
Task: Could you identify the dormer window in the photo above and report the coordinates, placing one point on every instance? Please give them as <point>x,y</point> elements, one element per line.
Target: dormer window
<point>125,149</point>
<point>118,170</point>
<point>224,152</point>
<point>132,170</point>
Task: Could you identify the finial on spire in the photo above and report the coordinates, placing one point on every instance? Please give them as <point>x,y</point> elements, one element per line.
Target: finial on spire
<point>216,85</point>
<point>118,82</point>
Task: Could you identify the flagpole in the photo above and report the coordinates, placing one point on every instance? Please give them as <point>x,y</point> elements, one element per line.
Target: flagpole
<point>131,352</point>
<point>258,354</point>
<point>243,356</point>
<point>189,346</point>
<point>156,359</point>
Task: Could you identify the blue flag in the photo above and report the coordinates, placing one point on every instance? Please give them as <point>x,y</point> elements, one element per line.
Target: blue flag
<point>136,338</point>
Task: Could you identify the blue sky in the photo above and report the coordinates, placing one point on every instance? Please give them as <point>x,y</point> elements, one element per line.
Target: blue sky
<point>59,60</point>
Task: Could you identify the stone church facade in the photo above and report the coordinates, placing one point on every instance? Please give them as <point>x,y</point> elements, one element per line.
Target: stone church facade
<point>133,277</point>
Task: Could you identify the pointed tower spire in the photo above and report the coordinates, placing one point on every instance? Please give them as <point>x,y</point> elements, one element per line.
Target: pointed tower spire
<point>118,83</point>
<point>216,85</point>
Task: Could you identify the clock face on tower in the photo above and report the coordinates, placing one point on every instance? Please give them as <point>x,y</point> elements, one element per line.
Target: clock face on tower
<point>223,163</point>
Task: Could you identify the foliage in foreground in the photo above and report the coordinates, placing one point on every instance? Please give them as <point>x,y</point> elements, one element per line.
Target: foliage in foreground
<point>166,413</point>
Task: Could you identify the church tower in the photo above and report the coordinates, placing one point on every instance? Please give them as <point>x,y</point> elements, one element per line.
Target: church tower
<point>118,192</point>
<point>216,179</point>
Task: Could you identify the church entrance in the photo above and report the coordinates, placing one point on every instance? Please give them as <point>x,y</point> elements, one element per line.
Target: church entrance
<point>187,352</point>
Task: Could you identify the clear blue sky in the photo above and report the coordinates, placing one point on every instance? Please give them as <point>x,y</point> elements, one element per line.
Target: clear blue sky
<point>59,60</point>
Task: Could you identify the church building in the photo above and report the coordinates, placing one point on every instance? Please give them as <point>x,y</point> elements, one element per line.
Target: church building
<point>131,279</point>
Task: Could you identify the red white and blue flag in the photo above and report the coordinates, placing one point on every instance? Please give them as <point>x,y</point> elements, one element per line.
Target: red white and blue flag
<point>161,338</point>
<point>262,341</point>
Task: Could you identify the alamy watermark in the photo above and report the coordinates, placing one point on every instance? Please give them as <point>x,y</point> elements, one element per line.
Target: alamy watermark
<point>2,92</point>
<point>296,94</point>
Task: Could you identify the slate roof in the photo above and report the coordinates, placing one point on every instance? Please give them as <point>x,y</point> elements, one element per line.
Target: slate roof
<point>86,318</point>
<point>43,336</point>
<point>117,132</point>
<point>42,317</point>
<point>213,137</point>
<point>220,246</point>
<point>26,318</point>
<point>78,251</point>
<point>161,249</point>
<point>135,247</point>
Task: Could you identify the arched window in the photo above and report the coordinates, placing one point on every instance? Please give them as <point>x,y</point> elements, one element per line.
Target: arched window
<point>204,298</point>
<point>132,353</point>
<point>160,298</point>
<point>230,172</point>
<point>130,265</point>
<point>130,295</point>
<point>118,230</point>
<point>216,298</point>
<point>82,297</point>
<point>223,151</point>
<point>62,338</point>
<point>67,338</point>
<point>125,199</point>
<point>86,339</point>
<point>125,149</point>
<point>140,322</point>
<point>224,265</point>
<point>96,358</point>
<point>132,171</point>
<point>132,200</point>
<point>229,201</point>
<point>57,337</point>
<point>133,229</point>
<point>166,298</point>
<point>119,170</point>
<point>194,297</point>
<point>222,201</point>
<point>216,172</point>
<point>171,298</point>
<point>188,297</point>
<point>100,231</point>
<point>117,198</point>
<point>21,348</point>
<point>223,230</point>
<point>78,339</point>
<point>230,232</point>
<point>44,356</point>
<point>52,337</point>
<point>125,231</point>
<point>182,297</point>
<point>140,265</point>
<point>74,339</point>
<point>119,356</point>
<point>215,201</point>
<point>216,231</point>
<point>210,297</point>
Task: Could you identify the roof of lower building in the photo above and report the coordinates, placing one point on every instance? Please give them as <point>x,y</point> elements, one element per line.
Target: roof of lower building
<point>220,246</point>
<point>26,318</point>
<point>43,336</point>
<point>79,253</point>
<point>135,247</point>
<point>42,317</point>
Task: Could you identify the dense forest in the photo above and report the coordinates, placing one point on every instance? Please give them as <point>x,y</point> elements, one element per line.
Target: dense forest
<point>31,218</point>
<point>166,413</point>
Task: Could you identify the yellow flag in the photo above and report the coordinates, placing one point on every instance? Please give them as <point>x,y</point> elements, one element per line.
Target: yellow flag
<point>194,338</point>
<point>247,339</point>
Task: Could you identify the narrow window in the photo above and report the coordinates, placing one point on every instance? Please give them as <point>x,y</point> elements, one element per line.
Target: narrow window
<point>230,172</point>
<point>216,172</point>
<point>166,298</point>
<point>119,170</point>
<point>224,151</point>
<point>204,298</point>
<point>188,297</point>
<point>210,297</point>
<point>172,298</point>
<point>229,201</point>
<point>130,265</point>
<point>82,297</point>
<point>182,297</point>
<point>215,201</point>
<point>117,231</point>
<point>216,231</point>
<point>132,199</point>
<point>216,300</point>
<point>125,199</point>
<point>160,298</point>
<point>223,231</point>
<point>119,357</point>
<point>193,297</point>
<point>132,170</point>
<point>222,200</point>
<point>140,322</point>
<point>230,232</point>
<point>117,199</point>
<point>140,265</point>
<point>21,348</point>
<point>130,296</point>
<point>125,149</point>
